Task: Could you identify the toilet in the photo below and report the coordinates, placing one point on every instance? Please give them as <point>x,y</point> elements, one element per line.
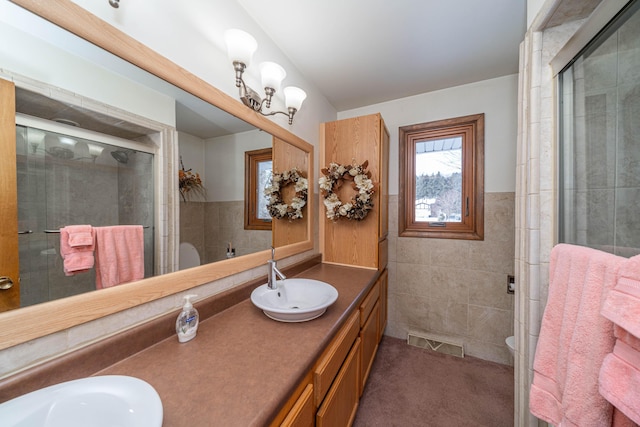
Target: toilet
<point>511,343</point>
<point>189,256</point>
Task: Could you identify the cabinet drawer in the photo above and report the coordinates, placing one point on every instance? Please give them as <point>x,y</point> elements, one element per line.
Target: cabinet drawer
<point>303,412</point>
<point>339,408</point>
<point>369,343</point>
<point>332,359</point>
<point>369,302</point>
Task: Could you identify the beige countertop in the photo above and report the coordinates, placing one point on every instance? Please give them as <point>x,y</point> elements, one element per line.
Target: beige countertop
<point>242,366</point>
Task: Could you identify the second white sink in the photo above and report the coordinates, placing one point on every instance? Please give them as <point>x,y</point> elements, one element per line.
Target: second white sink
<point>295,299</point>
<point>103,401</point>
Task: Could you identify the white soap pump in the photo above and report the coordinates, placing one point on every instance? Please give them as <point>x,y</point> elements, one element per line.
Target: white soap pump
<point>187,321</point>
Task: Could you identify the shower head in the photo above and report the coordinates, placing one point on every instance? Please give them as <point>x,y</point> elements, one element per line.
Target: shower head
<point>120,156</point>
<point>61,152</point>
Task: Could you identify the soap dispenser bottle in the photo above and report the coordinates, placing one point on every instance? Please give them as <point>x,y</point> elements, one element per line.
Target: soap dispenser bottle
<point>187,321</point>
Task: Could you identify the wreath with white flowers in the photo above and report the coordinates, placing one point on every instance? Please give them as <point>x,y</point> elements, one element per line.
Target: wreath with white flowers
<point>334,177</point>
<point>276,206</point>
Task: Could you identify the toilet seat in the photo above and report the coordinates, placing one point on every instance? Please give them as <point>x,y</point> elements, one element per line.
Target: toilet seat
<point>511,343</point>
<point>189,256</point>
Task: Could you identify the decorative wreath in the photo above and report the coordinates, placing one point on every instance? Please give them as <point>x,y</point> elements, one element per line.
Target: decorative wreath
<point>276,206</point>
<point>360,204</point>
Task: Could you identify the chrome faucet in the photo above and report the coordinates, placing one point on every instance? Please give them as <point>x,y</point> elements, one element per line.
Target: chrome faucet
<point>274,273</point>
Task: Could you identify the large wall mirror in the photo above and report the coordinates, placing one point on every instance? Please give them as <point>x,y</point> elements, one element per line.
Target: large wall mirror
<point>201,129</point>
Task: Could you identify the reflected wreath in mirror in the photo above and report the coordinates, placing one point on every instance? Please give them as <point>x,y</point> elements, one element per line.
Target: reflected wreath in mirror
<point>277,207</point>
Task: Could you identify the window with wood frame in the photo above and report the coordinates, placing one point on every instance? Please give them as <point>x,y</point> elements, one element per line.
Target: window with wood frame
<point>258,167</point>
<point>442,179</point>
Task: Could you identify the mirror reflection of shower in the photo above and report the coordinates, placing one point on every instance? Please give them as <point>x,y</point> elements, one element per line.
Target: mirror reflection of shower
<point>65,147</point>
<point>72,176</point>
<point>121,156</point>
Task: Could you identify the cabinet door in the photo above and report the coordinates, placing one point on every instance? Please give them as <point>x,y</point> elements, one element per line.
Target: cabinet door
<point>334,357</point>
<point>384,286</point>
<point>369,337</point>
<point>303,412</point>
<point>383,222</point>
<point>340,405</point>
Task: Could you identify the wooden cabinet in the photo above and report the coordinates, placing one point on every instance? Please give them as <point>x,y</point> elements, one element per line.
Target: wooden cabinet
<point>361,243</point>
<point>340,405</point>
<point>333,358</point>
<point>369,335</point>
<point>383,282</point>
<point>369,338</point>
<point>303,412</point>
<point>331,390</point>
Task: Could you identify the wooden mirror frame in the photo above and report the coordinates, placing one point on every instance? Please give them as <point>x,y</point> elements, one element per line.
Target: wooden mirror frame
<point>54,316</point>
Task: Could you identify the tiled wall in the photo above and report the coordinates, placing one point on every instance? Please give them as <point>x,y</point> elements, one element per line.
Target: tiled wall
<point>210,226</point>
<point>536,187</point>
<point>456,288</point>
<point>601,161</point>
<point>57,192</point>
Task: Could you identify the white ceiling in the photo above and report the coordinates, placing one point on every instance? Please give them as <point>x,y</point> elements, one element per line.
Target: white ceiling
<point>361,52</point>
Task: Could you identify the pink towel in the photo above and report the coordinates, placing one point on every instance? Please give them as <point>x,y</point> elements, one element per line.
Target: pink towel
<point>620,378</point>
<point>119,255</point>
<point>622,305</point>
<point>574,339</point>
<point>620,373</point>
<point>76,248</point>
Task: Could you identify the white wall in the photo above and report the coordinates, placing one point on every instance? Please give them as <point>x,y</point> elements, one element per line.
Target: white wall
<point>496,98</point>
<point>533,7</point>
<point>224,158</point>
<point>191,151</point>
<point>25,50</point>
<point>194,38</point>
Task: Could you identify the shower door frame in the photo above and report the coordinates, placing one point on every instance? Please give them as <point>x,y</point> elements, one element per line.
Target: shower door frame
<point>163,141</point>
<point>30,122</point>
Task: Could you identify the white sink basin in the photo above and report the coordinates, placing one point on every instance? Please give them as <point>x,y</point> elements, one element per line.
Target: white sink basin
<point>295,299</point>
<point>102,401</point>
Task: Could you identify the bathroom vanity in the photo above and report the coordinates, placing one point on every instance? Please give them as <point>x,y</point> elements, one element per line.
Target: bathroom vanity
<point>244,368</point>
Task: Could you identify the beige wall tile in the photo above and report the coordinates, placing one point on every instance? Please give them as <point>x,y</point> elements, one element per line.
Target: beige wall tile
<point>457,288</point>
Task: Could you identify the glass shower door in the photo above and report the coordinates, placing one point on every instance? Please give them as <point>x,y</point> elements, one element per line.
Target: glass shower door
<point>65,180</point>
<point>600,141</point>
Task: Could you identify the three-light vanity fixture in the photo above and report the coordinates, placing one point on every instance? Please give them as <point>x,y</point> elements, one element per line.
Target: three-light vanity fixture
<point>241,47</point>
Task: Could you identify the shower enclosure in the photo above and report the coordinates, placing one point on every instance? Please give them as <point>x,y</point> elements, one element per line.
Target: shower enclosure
<point>69,180</point>
<point>600,141</point>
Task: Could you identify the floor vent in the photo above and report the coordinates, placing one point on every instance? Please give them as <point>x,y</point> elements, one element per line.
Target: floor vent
<point>446,345</point>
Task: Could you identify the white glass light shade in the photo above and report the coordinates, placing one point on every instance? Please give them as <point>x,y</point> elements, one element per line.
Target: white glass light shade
<point>95,150</point>
<point>67,141</point>
<point>272,75</point>
<point>294,96</point>
<point>240,46</point>
<point>35,138</point>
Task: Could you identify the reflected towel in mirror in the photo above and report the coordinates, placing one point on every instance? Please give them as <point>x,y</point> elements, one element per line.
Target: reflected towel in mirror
<point>119,255</point>
<point>76,248</point>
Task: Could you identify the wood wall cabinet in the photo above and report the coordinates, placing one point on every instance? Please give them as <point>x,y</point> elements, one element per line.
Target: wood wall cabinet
<point>360,243</point>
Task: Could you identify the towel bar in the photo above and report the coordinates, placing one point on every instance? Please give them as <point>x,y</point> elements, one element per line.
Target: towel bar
<point>58,231</point>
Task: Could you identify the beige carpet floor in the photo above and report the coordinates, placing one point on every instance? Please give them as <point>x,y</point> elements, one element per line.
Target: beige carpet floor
<point>409,386</point>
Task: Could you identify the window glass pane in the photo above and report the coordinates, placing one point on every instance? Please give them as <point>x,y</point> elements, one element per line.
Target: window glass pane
<point>264,178</point>
<point>439,180</point>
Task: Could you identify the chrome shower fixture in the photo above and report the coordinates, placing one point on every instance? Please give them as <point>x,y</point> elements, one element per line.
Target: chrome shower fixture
<point>120,156</point>
<point>61,152</point>
<point>114,3</point>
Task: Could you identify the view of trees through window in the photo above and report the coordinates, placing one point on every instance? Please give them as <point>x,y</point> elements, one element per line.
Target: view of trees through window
<point>438,186</point>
